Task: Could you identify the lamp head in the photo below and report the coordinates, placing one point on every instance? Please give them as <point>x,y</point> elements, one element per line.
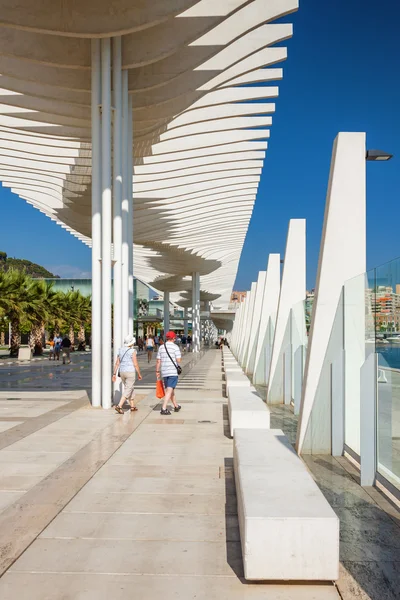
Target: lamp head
<point>378,155</point>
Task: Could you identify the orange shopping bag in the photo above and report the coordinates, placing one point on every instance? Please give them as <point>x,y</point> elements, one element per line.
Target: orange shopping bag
<point>160,391</point>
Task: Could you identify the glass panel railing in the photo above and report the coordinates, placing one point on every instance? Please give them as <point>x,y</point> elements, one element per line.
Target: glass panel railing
<point>318,438</point>
<point>386,310</point>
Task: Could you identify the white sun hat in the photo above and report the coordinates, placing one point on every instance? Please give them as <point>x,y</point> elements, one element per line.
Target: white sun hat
<point>130,340</point>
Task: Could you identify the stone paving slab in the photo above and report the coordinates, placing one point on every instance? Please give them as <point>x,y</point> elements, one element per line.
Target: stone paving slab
<point>82,586</point>
<point>145,527</point>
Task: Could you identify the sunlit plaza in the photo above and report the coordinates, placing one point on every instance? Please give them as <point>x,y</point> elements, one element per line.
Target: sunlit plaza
<point>143,130</point>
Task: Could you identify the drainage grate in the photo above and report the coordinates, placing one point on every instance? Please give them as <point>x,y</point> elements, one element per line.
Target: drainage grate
<point>213,422</point>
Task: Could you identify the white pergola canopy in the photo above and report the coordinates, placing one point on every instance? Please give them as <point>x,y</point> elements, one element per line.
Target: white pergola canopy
<point>200,131</point>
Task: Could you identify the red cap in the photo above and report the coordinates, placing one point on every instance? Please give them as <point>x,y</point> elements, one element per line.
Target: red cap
<point>171,335</point>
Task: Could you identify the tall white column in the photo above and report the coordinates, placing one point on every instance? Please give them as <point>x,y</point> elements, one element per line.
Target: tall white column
<point>117,200</point>
<point>130,215</point>
<point>342,257</point>
<point>196,312</point>
<point>186,322</point>
<point>293,292</point>
<point>268,320</point>
<point>96,223</point>
<point>106,205</point>
<point>166,312</point>
<point>125,207</point>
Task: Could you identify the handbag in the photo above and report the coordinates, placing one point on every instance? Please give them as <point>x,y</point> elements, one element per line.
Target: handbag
<point>160,390</point>
<point>177,367</point>
<point>119,370</point>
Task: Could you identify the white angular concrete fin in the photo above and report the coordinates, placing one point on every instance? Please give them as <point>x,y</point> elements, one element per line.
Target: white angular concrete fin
<point>247,329</point>
<point>293,292</point>
<point>255,323</point>
<point>268,318</point>
<point>342,257</point>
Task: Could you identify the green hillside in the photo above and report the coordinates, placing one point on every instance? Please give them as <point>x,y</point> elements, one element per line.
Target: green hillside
<point>21,264</point>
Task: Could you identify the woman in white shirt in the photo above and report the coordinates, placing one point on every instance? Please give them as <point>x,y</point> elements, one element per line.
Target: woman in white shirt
<point>149,348</point>
<point>127,365</point>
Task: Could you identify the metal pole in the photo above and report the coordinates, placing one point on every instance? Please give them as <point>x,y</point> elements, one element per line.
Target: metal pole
<point>125,206</point>
<point>106,206</point>
<point>96,342</point>
<point>166,312</point>
<point>186,322</point>
<point>117,202</point>
<point>130,214</point>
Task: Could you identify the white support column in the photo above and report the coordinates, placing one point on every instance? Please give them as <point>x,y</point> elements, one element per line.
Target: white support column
<point>293,291</point>
<point>196,312</point>
<point>247,335</point>
<point>106,205</point>
<point>166,312</point>
<point>268,320</point>
<point>243,324</point>
<point>130,216</point>
<point>96,224</point>
<point>238,331</point>
<point>337,404</point>
<point>125,207</point>
<point>186,321</point>
<point>342,257</point>
<point>117,204</point>
<point>255,323</point>
<point>368,437</point>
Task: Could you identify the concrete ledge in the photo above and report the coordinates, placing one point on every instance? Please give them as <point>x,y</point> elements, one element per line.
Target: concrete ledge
<point>246,409</point>
<point>236,379</point>
<point>288,529</point>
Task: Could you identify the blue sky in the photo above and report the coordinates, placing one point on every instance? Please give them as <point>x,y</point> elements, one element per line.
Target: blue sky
<point>342,74</point>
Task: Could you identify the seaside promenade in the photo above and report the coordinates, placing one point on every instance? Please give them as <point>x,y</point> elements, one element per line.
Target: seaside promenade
<point>97,505</point>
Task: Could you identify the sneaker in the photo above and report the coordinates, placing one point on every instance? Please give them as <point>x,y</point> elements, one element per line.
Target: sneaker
<point>177,408</point>
<point>165,412</point>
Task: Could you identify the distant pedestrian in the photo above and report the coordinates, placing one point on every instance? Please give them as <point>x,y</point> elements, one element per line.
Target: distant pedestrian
<point>51,348</point>
<point>188,342</point>
<point>140,344</point>
<point>66,349</point>
<point>149,348</point>
<point>57,346</point>
<point>168,367</point>
<point>126,366</point>
<point>184,342</point>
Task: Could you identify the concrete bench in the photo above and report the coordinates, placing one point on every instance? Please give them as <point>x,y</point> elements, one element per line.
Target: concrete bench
<point>288,530</point>
<point>236,379</point>
<point>246,409</point>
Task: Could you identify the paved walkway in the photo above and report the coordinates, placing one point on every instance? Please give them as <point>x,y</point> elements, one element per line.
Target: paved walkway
<point>141,506</point>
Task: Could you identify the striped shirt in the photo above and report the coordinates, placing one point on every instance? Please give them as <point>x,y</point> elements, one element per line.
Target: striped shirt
<point>168,369</point>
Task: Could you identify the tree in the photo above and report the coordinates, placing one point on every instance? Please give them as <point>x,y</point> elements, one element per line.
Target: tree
<point>47,308</point>
<point>13,302</point>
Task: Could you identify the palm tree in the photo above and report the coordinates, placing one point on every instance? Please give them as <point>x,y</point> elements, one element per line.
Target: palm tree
<point>47,308</point>
<point>13,303</point>
<point>85,313</point>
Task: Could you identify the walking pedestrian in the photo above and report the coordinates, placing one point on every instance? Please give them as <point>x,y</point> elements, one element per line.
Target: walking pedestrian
<point>168,367</point>
<point>51,348</point>
<point>184,342</point>
<point>66,349</point>
<point>156,342</point>
<point>126,366</point>
<point>57,346</point>
<point>188,342</point>
<point>149,348</point>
